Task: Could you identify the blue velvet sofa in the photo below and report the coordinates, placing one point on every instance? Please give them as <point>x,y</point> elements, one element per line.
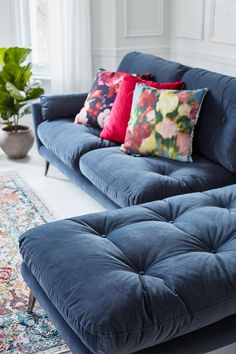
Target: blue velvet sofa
<point>118,180</point>
<point>157,275</point>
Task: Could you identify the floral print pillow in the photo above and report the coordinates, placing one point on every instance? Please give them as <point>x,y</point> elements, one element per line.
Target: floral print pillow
<point>99,102</point>
<point>162,122</point>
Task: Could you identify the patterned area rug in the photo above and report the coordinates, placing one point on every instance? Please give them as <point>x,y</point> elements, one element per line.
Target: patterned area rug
<point>20,209</point>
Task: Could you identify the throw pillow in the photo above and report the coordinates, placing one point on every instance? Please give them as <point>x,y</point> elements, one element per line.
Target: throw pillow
<point>115,128</point>
<point>162,122</point>
<point>100,100</point>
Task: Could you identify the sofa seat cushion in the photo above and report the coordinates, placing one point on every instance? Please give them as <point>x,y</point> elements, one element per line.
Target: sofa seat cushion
<point>130,180</point>
<point>132,278</point>
<point>69,141</point>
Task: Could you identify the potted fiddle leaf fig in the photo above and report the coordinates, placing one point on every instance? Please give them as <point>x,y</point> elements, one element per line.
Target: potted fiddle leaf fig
<point>17,90</point>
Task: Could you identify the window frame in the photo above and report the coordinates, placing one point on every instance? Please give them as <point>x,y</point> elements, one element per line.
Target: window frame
<point>22,32</point>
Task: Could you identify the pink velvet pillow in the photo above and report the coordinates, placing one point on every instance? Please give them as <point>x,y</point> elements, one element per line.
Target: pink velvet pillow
<point>116,126</point>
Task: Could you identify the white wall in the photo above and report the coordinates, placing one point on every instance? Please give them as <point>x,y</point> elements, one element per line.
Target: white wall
<point>194,32</point>
<point>7,37</point>
<point>140,29</point>
<point>204,34</point>
<point>120,26</point>
<point>103,20</point>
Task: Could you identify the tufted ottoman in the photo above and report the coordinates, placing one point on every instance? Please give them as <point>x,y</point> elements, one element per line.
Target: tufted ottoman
<point>121,281</point>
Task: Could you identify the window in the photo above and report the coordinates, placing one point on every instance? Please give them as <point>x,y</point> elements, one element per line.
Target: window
<point>32,30</point>
<point>39,30</point>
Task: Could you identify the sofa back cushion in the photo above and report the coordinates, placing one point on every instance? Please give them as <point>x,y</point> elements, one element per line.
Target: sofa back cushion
<point>215,133</point>
<point>61,106</point>
<point>161,69</point>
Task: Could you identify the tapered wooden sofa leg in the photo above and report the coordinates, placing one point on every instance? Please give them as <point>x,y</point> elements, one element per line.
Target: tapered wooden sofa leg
<point>47,164</point>
<point>31,303</point>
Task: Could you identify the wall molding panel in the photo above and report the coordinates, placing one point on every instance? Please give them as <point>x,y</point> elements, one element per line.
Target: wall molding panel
<point>226,19</point>
<point>154,25</point>
<point>209,57</point>
<point>198,33</point>
<point>181,10</point>
<point>121,51</point>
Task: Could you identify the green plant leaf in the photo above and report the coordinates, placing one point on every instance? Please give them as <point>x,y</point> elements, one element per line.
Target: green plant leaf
<point>9,72</point>
<point>25,109</point>
<point>17,75</point>
<point>16,55</point>
<point>23,76</point>
<point>7,106</point>
<point>15,87</point>
<point>33,84</point>
<point>34,93</point>
<point>15,93</point>
<point>2,56</point>
<point>2,86</point>
<point>5,98</point>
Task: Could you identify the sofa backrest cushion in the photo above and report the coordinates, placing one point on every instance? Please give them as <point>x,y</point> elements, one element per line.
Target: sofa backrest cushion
<point>62,106</point>
<point>161,69</point>
<point>215,133</point>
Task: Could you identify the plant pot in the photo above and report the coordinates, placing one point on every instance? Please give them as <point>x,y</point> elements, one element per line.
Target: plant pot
<point>16,143</point>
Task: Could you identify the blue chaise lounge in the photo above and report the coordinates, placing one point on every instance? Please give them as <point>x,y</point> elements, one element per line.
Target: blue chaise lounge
<point>123,281</point>
<point>157,275</point>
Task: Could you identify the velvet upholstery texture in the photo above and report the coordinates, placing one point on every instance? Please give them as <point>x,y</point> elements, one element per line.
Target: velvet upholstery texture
<point>116,127</point>
<point>162,70</point>
<point>98,104</point>
<point>162,122</point>
<point>69,141</point>
<point>214,139</point>
<point>61,106</point>
<point>215,133</point>
<point>138,179</point>
<point>169,266</point>
<point>73,341</point>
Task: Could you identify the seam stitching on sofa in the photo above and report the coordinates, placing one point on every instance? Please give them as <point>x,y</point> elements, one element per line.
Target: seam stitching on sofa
<point>160,323</point>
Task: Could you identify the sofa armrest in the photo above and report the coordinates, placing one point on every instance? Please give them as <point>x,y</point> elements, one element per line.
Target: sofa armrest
<point>62,106</point>
<point>54,107</point>
<point>37,119</point>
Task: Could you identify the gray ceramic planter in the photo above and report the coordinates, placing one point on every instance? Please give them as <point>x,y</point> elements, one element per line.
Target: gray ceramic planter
<point>16,145</point>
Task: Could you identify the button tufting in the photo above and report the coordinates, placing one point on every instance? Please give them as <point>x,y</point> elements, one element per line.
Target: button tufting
<point>141,272</point>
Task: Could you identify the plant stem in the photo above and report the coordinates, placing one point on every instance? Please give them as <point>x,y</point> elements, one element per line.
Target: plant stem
<point>15,122</point>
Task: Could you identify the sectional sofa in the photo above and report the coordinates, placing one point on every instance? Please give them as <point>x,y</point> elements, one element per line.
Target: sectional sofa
<point>158,275</point>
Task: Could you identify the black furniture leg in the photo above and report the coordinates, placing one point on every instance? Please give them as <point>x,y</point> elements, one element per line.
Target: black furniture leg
<point>46,168</point>
<point>31,303</point>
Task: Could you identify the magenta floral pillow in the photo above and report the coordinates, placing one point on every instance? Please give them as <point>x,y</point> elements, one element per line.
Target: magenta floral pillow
<point>162,122</point>
<point>99,102</point>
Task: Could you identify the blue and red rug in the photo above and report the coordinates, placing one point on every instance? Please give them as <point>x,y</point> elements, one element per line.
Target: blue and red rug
<point>21,209</point>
